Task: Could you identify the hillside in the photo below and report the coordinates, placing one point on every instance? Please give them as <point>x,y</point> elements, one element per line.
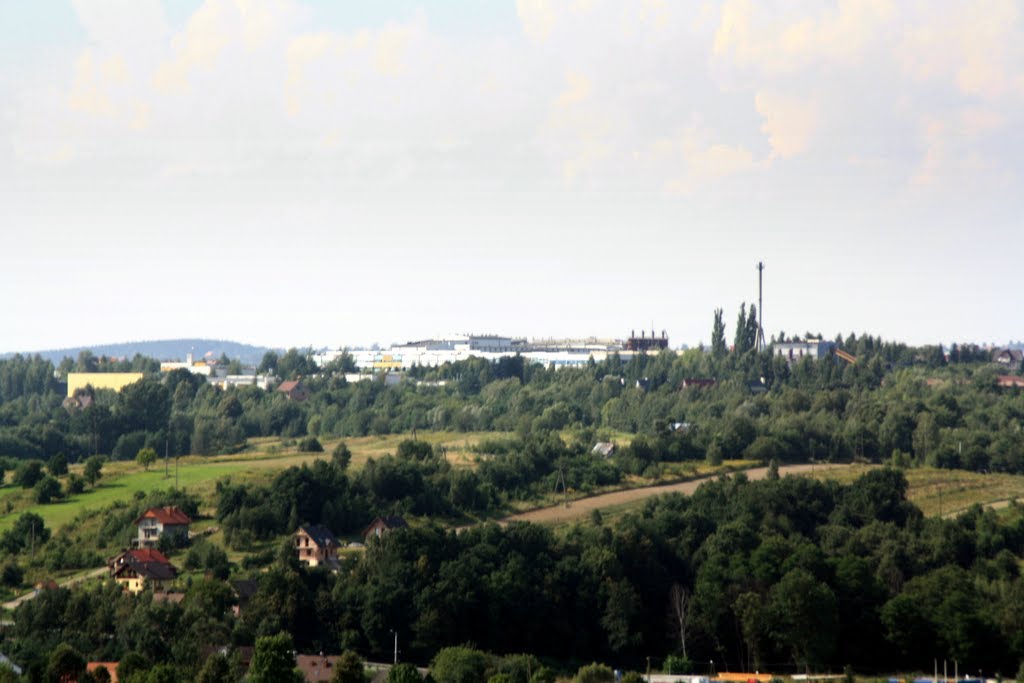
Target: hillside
<point>163,349</point>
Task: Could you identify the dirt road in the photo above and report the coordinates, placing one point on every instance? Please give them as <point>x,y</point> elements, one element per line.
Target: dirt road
<point>584,506</point>
<point>66,583</point>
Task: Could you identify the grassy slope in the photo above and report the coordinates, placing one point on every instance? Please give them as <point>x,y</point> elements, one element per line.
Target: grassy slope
<point>954,490</point>
<point>265,457</point>
<point>949,492</point>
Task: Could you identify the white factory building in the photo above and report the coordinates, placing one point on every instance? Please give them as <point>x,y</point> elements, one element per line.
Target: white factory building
<point>436,352</point>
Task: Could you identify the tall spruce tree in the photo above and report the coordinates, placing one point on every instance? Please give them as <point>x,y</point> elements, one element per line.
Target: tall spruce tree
<point>718,335</point>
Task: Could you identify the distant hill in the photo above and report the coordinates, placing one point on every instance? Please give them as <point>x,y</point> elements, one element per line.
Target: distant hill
<point>164,349</point>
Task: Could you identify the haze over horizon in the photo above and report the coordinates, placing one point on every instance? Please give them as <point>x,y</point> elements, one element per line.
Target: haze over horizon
<point>299,172</point>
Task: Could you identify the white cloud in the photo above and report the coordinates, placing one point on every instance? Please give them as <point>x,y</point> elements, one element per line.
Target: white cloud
<point>790,123</point>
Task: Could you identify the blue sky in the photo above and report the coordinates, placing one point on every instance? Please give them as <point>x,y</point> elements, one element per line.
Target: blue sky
<point>288,172</point>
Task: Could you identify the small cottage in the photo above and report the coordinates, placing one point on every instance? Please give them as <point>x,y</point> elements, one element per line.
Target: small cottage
<point>383,525</point>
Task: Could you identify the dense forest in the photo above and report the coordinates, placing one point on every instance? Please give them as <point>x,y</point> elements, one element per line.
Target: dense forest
<point>784,574</point>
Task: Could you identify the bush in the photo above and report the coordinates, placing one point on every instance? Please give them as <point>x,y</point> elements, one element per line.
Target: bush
<point>209,557</point>
<point>341,456</point>
<point>58,465</point>
<point>47,489</point>
<point>458,665</point>
<point>404,673</point>
<point>310,444</point>
<point>28,474</point>
<point>595,673</point>
<point>75,484</point>
<point>12,575</point>
<point>675,664</point>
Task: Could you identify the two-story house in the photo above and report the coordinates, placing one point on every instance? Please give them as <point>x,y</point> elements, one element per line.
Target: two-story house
<point>167,521</point>
<point>316,546</point>
<point>138,569</point>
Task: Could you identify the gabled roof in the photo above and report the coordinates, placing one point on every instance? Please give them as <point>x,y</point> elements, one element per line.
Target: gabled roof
<point>245,588</point>
<point>320,535</point>
<point>169,514</point>
<point>288,385</point>
<point>390,522</point>
<point>150,564</point>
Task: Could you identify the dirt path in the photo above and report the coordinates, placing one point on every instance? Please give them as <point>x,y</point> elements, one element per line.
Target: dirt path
<point>584,506</point>
<point>994,505</point>
<point>66,583</point>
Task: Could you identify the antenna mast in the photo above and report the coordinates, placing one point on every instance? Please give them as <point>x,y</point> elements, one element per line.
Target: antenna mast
<point>759,344</point>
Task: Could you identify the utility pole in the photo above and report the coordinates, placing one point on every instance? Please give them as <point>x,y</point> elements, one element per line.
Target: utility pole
<point>759,344</point>
<point>167,460</point>
<point>395,661</point>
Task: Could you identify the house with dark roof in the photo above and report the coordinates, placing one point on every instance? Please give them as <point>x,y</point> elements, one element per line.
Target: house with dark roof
<point>156,522</point>
<point>316,546</point>
<point>1011,358</point>
<point>294,390</point>
<point>383,525</point>
<point>138,569</point>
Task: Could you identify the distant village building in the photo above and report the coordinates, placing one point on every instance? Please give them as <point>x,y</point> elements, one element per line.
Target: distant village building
<point>1010,381</point>
<point>101,380</point>
<point>135,570</point>
<point>156,522</point>
<point>293,390</point>
<point>603,448</point>
<point>383,525</point>
<point>204,368</point>
<point>316,546</point>
<point>795,351</point>
<point>645,343</point>
<point>698,382</point>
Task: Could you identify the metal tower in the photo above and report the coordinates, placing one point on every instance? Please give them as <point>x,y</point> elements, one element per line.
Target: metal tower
<point>759,344</point>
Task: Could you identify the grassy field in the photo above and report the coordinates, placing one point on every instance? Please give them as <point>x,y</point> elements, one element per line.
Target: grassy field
<point>197,474</point>
<point>950,492</point>
<point>933,490</point>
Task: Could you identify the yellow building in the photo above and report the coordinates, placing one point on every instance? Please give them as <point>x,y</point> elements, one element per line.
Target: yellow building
<point>101,380</point>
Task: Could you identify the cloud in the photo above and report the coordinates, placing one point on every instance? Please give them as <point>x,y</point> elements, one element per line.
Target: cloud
<point>575,95</point>
<point>790,123</point>
<point>537,18</point>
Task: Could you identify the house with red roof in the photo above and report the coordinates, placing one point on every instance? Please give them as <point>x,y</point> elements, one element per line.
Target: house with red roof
<point>156,522</point>
<point>294,390</point>
<point>141,568</point>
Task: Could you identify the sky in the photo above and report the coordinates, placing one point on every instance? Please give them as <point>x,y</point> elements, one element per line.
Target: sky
<point>326,174</point>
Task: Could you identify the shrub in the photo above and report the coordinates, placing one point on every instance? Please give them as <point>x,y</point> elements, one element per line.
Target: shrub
<point>310,444</point>
<point>47,489</point>
<point>595,673</point>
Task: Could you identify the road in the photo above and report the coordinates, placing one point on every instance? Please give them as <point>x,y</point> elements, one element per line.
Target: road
<point>65,583</point>
<point>584,506</point>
